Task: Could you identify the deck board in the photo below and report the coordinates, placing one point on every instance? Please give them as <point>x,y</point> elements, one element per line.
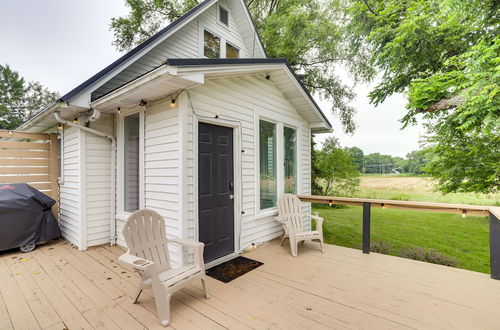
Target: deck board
<point>57,286</point>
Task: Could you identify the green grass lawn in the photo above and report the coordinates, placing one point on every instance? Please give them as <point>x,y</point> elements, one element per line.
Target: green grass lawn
<point>465,240</point>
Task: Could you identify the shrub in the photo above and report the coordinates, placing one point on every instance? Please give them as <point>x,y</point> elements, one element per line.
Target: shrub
<point>381,247</point>
<point>431,256</point>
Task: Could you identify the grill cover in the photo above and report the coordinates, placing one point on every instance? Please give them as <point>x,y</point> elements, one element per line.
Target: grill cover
<point>25,216</point>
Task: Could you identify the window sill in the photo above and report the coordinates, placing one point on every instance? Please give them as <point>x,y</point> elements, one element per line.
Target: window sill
<point>267,213</point>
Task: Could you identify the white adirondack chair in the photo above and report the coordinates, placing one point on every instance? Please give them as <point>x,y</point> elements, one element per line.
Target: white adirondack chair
<point>147,252</point>
<point>291,216</point>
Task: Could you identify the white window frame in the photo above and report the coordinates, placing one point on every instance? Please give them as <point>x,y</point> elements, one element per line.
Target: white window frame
<point>297,148</point>
<point>233,45</point>
<point>222,41</point>
<point>120,207</point>
<point>279,169</point>
<point>280,122</point>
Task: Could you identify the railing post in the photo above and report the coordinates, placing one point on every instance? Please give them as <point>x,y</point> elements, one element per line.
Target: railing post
<point>366,227</point>
<point>494,246</point>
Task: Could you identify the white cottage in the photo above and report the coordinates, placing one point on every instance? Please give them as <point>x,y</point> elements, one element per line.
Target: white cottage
<point>195,123</point>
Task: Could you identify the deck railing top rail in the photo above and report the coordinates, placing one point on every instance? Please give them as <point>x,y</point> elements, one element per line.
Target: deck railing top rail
<point>465,209</point>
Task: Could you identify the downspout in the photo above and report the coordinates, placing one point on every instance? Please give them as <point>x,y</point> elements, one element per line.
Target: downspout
<point>113,174</point>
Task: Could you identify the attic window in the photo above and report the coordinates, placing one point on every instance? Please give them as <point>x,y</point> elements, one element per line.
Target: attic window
<point>223,16</point>
<point>211,45</point>
<point>231,51</point>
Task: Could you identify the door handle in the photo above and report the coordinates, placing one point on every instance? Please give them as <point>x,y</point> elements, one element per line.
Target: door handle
<point>231,196</point>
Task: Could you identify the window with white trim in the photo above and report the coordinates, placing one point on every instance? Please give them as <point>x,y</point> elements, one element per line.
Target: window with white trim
<point>131,157</point>
<point>290,159</point>
<point>232,51</point>
<point>267,162</point>
<point>211,45</point>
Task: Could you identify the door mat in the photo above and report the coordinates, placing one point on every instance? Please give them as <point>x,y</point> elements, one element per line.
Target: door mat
<point>234,268</point>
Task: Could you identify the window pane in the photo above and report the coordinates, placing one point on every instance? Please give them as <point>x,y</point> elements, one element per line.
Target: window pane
<point>232,52</point>
<point>267,156</point>
<point>290,144</point>
<point>131,161</point>
<point>211,45</point>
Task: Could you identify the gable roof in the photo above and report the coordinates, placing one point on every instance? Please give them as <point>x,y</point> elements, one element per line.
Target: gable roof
<point>195,11</point>
<point>179,62</point>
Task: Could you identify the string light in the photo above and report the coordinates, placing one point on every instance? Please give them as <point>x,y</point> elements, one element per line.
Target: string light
<point>464,213</point>
<point>383,206</point>
<point>143,103</point>
<point>172,103</point>
<point>75,121</point>
<point>119,110</point>
<point>60,126</point>
<point>10,132</point>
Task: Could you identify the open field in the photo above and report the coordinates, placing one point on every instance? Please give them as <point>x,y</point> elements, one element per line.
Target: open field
<point>464,240</point>
<point>416,189</point>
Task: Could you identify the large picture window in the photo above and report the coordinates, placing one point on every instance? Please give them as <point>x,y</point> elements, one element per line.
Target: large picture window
<point>131,161</point>
<point>211,45</point>
<point>267,161</point>
<point>290,159</point>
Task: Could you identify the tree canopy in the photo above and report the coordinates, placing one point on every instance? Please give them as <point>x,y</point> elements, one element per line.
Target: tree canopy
<point>20,100</point>
<point>444,55</point>
<point>336,170</point>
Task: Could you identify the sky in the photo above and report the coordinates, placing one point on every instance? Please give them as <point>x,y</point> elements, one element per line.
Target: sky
<point>61,43</point>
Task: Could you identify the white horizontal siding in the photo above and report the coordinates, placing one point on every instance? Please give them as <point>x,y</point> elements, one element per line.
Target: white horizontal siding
<point>242,99</point>
<point>98,182</point>
<point>70,189</point>
<point>161,171</point>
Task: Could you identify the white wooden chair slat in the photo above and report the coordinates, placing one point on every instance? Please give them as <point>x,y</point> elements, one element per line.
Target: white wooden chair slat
<point>291,216</point>
<point>147,243</point>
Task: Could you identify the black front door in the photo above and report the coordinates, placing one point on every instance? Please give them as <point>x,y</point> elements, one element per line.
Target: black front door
<point>215,190</point>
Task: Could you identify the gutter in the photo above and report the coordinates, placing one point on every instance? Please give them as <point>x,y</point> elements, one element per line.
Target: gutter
<point>113,162</point>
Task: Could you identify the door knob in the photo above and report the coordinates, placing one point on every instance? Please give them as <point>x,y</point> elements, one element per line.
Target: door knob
<point>231,196</point>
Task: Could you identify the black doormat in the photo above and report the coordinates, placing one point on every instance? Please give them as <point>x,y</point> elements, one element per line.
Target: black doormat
<point>234,268</point>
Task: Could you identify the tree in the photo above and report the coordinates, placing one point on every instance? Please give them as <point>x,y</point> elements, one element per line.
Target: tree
<point>310,34</point>
<point>357,157</point>
<point>444,55</point>
<point>20,100</point>
<point>415,162</point>
<point>337,169</point>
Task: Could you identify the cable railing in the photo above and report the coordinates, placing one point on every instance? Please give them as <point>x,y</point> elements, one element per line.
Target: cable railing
<point>492,211</point>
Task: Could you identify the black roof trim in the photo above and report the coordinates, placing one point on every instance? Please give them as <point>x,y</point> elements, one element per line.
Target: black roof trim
<point>236,61</point>
<point>132,52</point>
<point>222,61</point>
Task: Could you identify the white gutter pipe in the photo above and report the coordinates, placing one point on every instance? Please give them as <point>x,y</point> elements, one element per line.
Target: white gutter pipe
<point>113,174</point>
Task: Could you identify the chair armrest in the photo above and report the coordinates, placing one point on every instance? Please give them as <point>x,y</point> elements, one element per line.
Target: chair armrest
<point>319,221</point>
<point>197,247</point>
<point>136,262</point>
<point>280,219</point>
<point>185,241</point>
<point>314,217</point>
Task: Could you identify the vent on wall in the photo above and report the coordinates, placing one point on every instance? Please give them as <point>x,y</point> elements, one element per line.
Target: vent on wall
<point>223,16</point>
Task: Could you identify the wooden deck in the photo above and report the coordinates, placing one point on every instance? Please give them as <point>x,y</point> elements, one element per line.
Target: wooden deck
<point>57,287</point>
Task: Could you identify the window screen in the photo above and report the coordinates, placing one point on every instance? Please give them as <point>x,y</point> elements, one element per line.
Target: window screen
<point>267,158</point>
<point>211,45</point>
<point>231,51</point>
<point>290,144</point>
<point>131,161</point>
